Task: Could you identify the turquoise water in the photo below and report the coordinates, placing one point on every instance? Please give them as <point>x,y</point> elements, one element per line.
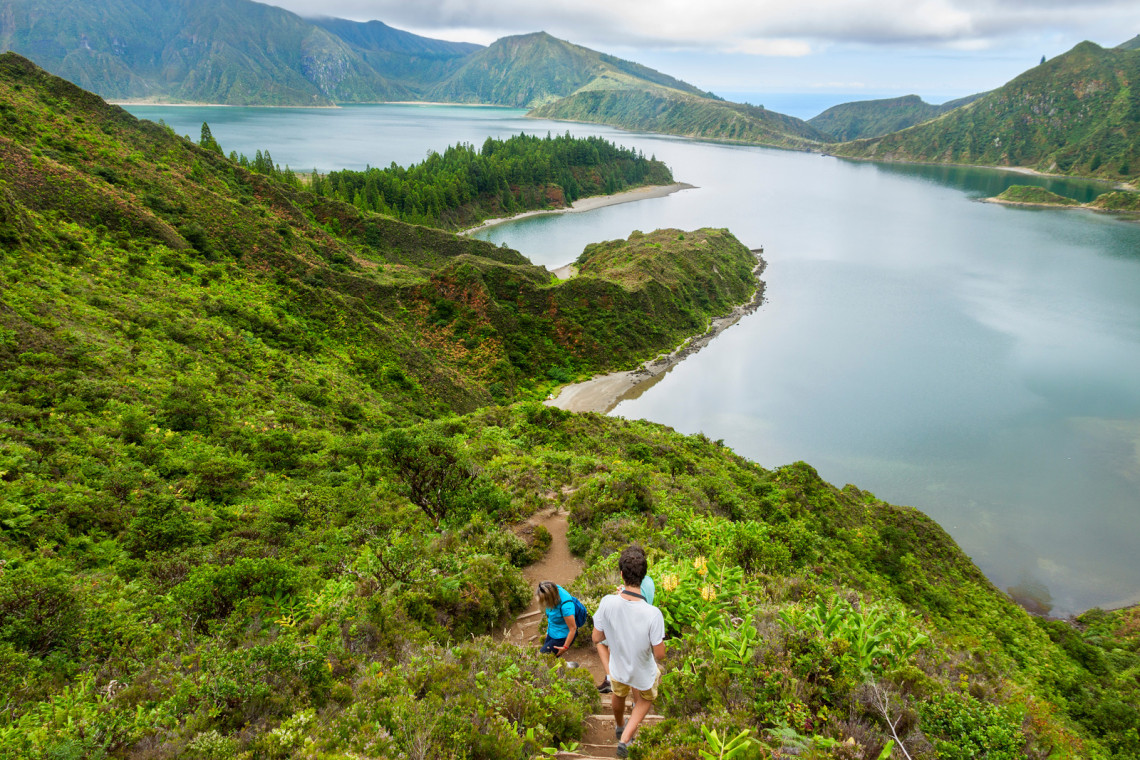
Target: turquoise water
<point>979,362</point>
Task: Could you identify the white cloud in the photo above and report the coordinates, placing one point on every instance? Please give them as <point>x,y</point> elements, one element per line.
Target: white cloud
<point>759,27</point>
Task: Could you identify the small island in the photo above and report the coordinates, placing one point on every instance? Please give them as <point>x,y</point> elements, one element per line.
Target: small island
<point>1121,201</point>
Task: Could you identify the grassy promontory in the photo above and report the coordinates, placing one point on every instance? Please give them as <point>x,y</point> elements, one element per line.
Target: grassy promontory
<point>1031,195</point>
<point>261,454</point>
<point>1117,201</point>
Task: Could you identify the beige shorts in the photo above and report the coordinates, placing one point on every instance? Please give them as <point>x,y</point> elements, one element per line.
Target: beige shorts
<point>649,695</point>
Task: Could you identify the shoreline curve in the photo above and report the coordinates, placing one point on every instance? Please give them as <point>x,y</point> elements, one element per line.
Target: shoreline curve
<point>589,204</point>
<point>602,393</point>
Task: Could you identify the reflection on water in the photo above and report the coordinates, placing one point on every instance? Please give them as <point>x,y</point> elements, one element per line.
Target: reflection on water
<point>986,183</point>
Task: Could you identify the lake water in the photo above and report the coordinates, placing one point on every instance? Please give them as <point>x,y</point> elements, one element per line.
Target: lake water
<point>981,363</point>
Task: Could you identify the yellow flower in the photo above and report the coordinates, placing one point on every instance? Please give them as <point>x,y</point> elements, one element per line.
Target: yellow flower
<point>708,593</point>
<point>670,582</point>
<point>701,565</point>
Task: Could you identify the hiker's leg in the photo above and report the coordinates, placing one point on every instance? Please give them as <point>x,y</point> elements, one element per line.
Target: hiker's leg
<point>549,644</point>
<point>640,709</point>
<point>604,656</point>
<point>617,700</point>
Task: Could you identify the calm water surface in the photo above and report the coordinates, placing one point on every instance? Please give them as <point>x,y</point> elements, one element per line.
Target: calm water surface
<point>978,362</point>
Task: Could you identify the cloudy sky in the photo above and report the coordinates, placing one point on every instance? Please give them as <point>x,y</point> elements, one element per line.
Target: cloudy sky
<point>939,49</point>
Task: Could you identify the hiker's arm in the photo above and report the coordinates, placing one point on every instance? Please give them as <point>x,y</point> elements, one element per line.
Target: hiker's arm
<point>573,626</point>
<point>659,651</point>
<point>598,636</point>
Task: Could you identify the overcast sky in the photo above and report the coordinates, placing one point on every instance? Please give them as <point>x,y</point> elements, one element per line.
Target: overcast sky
<point>866,48</point>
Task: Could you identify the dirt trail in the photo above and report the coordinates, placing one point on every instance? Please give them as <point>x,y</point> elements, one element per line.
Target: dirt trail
<point>560,566</point>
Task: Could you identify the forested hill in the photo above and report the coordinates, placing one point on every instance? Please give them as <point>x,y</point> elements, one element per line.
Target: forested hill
<point>1078,113</point>
<point>873,118</point>
<point>464,186</point>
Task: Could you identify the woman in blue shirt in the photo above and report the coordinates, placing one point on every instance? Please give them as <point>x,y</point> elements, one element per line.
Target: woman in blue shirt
<point>560,625</point>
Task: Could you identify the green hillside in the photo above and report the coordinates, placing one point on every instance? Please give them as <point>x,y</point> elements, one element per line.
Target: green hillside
<point>527,70</point>
<point>873,118</point>
<point>260,474</point>
<point>669,111</point>
<point>217,51</point>
<point>400,56</point>
<point>1076,114</point>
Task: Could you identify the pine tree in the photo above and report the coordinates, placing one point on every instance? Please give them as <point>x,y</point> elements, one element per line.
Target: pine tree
<point>207,141</point>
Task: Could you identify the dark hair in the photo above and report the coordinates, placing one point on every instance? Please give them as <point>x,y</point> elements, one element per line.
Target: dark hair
<point>633,565</point>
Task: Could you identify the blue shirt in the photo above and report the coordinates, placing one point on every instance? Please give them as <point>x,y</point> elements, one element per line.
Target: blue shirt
<point>555,625</point>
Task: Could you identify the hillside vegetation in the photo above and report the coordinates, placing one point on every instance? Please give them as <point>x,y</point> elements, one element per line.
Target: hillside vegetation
<point>233,52</point>
<point>258,475</point>
<point>527,70</point>
<point>1076,114</point>
<point>464,186</point>
<point>657,109</point>
<point>873,118</point>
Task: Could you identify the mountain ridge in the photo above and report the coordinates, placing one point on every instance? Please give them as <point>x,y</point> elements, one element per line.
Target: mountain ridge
<point>1074,114</point>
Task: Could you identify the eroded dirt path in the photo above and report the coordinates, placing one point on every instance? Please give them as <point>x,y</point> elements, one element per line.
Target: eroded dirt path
<point>562,567</point>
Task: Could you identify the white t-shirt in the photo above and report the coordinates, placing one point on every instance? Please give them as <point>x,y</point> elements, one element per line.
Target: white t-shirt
<point>632,629</point>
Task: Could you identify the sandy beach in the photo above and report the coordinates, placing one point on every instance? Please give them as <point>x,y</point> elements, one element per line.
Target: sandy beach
<point>593,202</point>
<point>604,392</point>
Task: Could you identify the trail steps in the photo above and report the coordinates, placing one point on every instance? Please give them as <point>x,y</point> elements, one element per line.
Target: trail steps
<point>560,566</point>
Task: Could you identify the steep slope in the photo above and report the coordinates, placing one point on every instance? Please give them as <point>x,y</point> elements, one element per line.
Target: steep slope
<point>668,111</point>
<point>1132,44</point>
<point>874,118</point>
<point>219,51</point>
<point>400,56</point>
<point>527,70</point>
<point>477,317</point>
<point>1076,114</point>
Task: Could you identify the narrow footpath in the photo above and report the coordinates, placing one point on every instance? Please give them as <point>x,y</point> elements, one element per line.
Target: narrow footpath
<point>560,566</point>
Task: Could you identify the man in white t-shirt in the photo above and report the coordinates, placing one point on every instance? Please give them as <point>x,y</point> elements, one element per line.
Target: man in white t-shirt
<point>635,633</point>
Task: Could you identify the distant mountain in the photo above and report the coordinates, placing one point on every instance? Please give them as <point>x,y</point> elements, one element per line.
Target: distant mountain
<point>669,111</point>
<point>397,55</point>
<point>1132,44</point>
<point>217,51</point>
<point>873,118</point>
<point>1076,114</point>
<point>532,69</point>
<point>240,52</point>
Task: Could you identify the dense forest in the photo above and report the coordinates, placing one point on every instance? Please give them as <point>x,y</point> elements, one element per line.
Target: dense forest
<point>264,458</point>
<point>465,185</point>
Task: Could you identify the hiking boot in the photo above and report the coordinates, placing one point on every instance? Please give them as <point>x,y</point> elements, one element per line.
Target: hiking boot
<point>618,731</point>
<point>604,687</point>
<point>571,664</point>
<point>622,749</point>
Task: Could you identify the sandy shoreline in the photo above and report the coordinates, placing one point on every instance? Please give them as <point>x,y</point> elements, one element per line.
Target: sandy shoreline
<point>604,392</point>
<point>591,203</point>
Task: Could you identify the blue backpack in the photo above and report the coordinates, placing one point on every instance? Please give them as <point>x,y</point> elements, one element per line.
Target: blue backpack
<point>581,615</point>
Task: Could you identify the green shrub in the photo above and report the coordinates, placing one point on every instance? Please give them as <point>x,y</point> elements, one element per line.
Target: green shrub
<point>39,611</point>
<point>962,728</point>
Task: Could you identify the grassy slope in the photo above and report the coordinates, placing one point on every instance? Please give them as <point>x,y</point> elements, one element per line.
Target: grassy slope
<point>213,536</point>
<point>1034,195</point>
<point>527,70</point>
<point>873,118</point>
<point>658,109</point>
<point>400,56</point>
<point>1077,114</point>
